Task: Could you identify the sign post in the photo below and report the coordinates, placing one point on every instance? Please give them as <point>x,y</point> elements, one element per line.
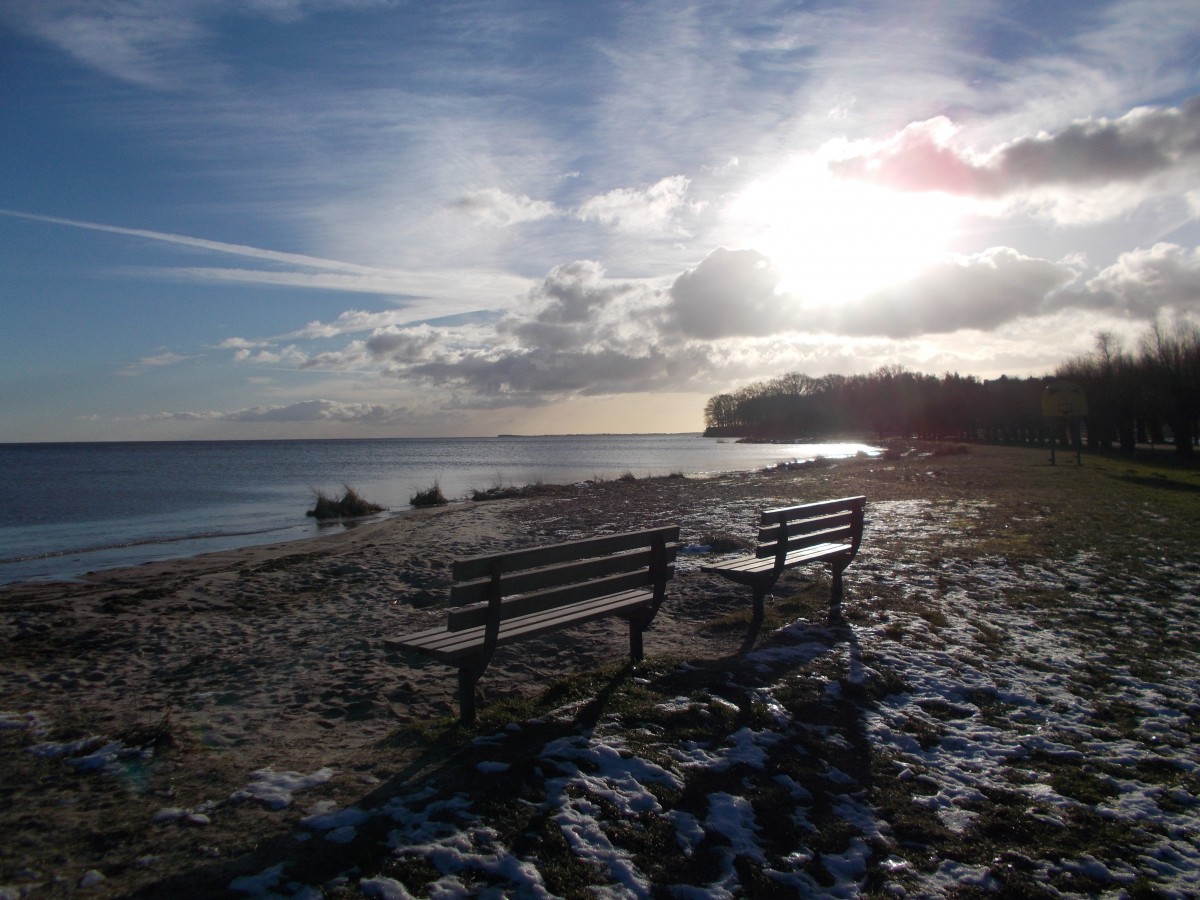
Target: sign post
<point>1064,402</point>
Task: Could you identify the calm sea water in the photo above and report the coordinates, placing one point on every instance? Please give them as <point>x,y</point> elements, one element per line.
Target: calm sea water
<point>72,508</point>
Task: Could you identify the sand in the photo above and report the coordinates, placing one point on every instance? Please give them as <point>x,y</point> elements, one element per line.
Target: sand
<point>271,657</point>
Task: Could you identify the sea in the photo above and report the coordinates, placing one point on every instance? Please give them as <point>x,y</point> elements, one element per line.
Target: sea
<point>67,509</point>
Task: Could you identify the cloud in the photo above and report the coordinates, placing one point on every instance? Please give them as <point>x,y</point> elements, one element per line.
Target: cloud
<point>982,291</point>
<point>290,355</point>
<point>155,361</point>
<point>576,307</point>
<point>573,292</point>
<point>1146,143</point>
<point>1145,282</point>
<point>730,293</point>
<point>319,411</point>
<point>244,250</point>
<point>657,209</point>
<point>157,44</point>
<point>403,345</point>
<point>139,43</point>
<point>448,291</point>
<point>535,375</point>
<point>493,206</point>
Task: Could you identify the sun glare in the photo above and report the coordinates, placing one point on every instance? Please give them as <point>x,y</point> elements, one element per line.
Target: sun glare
<point>834,239</point>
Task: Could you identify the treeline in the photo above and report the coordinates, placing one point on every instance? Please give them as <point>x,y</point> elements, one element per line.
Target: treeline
<point>1151,394</point>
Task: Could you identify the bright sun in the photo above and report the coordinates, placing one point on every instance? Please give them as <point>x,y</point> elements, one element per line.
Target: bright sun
<point>834,239</point>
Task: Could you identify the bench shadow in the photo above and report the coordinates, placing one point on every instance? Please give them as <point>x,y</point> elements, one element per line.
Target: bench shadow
<point>450,766</point>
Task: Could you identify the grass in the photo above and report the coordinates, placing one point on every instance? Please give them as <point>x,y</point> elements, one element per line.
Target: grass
<point>429,497</point>
<point>349,506</point>
<point>501,491</point>
<point>724,542</point>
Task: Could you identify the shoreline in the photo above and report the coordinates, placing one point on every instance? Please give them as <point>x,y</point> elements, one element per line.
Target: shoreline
<point>106,536</point>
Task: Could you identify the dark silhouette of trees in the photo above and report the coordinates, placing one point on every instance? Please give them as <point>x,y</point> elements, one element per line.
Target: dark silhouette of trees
<point>1132,397</point>
<point>1138,398</point>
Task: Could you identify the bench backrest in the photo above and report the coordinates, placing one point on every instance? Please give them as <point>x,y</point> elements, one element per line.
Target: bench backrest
<point>543,578</point>
<point>789,528</point>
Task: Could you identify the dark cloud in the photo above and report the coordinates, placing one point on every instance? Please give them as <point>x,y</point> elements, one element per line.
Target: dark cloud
<point>317,411</point>
<point>574,293</point>
<point>1141,144</point>
<point>576,307</point>
<point>981,292</point>
<point>732,293</point>
<point>401,344</point>
<point>532,373</point>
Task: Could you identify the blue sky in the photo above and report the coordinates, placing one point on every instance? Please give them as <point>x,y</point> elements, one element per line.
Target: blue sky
<point>324,218</point>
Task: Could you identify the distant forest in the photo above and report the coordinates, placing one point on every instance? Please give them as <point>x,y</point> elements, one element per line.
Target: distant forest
<point>1147,395</point>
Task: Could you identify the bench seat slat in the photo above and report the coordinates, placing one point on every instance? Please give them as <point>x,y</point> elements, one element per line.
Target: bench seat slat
<point>752,567</point>
<point>562,595</point>
<point>451,646</point>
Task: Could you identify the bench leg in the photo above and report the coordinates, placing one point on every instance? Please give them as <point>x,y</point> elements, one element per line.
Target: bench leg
<point>835,591</point>
<point>468,677</point>
<point>760,596</point>
<point>636,627</point>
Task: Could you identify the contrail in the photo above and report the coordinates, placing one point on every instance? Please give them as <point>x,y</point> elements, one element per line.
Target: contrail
<point>299,259</point>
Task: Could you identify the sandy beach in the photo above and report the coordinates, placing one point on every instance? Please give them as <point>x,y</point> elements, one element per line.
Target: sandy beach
<point>170,729</point>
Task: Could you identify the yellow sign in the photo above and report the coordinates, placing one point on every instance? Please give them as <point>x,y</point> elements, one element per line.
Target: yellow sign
<point>1063,400</point>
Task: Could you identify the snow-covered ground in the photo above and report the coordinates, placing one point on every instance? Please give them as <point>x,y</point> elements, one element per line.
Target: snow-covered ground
<point>979,706</point>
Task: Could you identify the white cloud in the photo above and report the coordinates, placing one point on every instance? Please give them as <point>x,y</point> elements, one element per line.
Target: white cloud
<point>156,361</point>
<point>352,321</point>
<point>658,209</point>
<point>492,206</point>
<point>1147,282</point>
<point>141,43</point>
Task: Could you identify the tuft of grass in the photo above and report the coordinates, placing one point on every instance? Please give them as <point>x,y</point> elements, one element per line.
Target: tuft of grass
<point>429,497</point>
<point>350,505</point>
<point>160,734</point>
<point>724,542</point>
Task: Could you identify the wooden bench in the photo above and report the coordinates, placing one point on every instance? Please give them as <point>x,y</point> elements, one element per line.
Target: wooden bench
<point>826,532</point>
<point>508,597</point>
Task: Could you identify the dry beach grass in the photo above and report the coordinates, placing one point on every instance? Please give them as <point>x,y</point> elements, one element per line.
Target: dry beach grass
<point>1007,700</point>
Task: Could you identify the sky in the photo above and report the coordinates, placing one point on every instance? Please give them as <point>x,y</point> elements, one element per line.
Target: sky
<point>226,219</point>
